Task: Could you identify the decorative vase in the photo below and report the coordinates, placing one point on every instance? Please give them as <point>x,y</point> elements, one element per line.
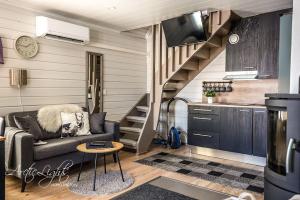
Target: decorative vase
<point>210,100</point>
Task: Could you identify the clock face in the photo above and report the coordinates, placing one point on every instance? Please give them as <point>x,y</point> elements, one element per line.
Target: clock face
<point>26,46</point>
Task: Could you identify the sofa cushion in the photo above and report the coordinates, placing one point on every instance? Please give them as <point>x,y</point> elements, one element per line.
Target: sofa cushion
<point>29,124</point>
<point>97,121</point>
<point>96,137</point>
<point>55,147</point>
<point>10,120</point>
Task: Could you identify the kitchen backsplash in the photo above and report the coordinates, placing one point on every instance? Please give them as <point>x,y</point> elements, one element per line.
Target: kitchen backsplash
<point>247,92</point>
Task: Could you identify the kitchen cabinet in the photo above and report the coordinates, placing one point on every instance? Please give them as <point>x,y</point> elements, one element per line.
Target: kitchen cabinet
<point>243,55</point>
<point>268,45</point>
<point>258,46</point>
<point>229,128</point>
<point>236,130</point>
<point>260,120</point>
<point>204,139</point>
<point>203,125</point>
<point>244,130</point>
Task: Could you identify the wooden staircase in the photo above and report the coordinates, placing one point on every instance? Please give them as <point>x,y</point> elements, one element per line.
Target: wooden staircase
<point>172,69</point>
<point>134,124</point>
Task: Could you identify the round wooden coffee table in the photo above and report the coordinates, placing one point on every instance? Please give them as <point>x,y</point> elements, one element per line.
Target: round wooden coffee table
<point>117,146</point>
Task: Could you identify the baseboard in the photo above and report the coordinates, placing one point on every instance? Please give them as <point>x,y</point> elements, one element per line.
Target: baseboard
<point>249,159</point>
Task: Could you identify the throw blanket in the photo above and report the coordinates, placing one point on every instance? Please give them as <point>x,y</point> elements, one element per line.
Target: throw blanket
<point>49,116</point>
<point>1,53</point>
<point>9,134</point>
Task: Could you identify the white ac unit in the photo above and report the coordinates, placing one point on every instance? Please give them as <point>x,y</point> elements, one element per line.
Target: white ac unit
<point>62,31</point>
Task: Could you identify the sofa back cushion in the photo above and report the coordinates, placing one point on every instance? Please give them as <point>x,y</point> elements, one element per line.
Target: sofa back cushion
<point>97,121</point>
<point>10,121</point>
<point>30,125</point>
<point>10,118</point>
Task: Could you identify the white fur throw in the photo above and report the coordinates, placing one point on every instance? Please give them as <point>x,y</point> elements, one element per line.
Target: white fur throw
<point>49,116</point>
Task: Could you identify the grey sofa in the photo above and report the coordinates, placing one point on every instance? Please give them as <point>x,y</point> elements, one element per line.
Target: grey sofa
<point>55,152</point>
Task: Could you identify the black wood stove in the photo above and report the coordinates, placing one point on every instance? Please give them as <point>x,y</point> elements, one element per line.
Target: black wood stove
<point>282,172</point>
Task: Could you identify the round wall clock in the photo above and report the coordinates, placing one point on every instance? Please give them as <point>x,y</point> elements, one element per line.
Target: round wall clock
<point>234,38</point>
<point>26,46</point>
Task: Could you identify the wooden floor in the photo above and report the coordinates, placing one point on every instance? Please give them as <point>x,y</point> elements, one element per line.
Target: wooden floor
<point>141,174</point>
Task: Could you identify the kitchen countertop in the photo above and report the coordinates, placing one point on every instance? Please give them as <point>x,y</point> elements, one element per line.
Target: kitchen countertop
<point>228,105</point>
<point>283,96</point>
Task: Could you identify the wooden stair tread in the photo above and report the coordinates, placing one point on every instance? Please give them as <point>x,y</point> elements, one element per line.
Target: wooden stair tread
<point>142,108</point>
<point>169,89</point>
<point>215,42</point>
<point>137,119</point>
<point>203,54</point>
<point>128,142</point>
<point>127,129</point>
<point>189,68</point>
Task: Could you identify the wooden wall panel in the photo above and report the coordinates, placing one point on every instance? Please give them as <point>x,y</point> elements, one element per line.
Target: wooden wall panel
<point>57,74</point>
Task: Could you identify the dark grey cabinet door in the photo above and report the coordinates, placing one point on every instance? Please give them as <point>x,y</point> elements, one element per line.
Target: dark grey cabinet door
<point>236,130</point>
<point>228,129</point>
<point>268,45</point>
<point>244,131</point>
<point>203,139</point>
<point>200,122</point>
<point>260,121</point>
<point>258,46</point>
<point>243,55</point>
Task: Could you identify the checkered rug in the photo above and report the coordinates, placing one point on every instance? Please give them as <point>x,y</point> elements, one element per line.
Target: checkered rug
<point>236,177</point>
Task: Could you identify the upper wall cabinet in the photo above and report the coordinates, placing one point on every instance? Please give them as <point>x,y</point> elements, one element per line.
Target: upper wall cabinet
<point>239,56</point>
<point>258,45</point>
<point>268,45</point>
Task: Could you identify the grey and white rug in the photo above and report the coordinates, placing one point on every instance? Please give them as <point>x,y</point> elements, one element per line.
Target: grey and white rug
<point>236,177</point>
<point>163,188</point>
<point>108,183</point>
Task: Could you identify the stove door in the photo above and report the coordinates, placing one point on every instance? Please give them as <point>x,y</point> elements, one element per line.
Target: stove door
<point>283,160</point>
<point>277,149</point>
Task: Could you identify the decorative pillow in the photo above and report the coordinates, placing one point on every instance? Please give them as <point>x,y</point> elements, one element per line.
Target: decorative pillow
<point>97,121</point>
<point>30,125</point>
<point>75,124</point>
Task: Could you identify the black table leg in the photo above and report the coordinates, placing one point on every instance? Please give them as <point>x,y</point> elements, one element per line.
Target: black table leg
<point>118,159</point>
<point>115,158</point>
<point>104,163</point>
<point>94,186</point>
<point>81,167</point>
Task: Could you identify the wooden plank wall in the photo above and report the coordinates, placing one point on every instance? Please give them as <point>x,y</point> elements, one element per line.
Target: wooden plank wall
<point>57,73</point>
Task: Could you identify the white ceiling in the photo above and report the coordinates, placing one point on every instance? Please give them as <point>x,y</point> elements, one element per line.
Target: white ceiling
<point>132,14</point>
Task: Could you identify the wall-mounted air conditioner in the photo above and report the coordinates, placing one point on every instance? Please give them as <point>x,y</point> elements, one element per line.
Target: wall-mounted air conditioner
<point>62,31</point>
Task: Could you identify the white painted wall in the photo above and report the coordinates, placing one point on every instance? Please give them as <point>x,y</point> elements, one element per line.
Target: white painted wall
<point>295,58</point>
<point>57,74</point>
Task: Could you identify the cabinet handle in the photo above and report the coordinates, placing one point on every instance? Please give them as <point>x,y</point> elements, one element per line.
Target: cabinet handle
<point>203,118</point>
<point>260,111</point>
<point>198,109</point>
<point>244,110</point>
<point>249,67</point>
<point>202,135</point>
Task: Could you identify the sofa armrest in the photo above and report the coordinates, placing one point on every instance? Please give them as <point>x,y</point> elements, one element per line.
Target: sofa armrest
<point>112,127</point>
<point>23,153</point>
